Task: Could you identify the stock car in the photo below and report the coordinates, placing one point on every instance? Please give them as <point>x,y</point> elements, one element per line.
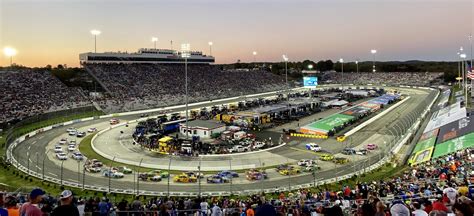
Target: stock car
<point>311,168</point>
<point>77,156</point>
<point>238,149</point>
<point>92,130</point>
<point>163,174</point>
<point>58,149</point>
<point>361,152</point>
<point>195,174</point>
<point>114,121</point>
<point>371,146</point>
<point>258,145</point>
<point>71,129</point>
<point>94,162</point>
<point>71,147</point>
<point>81,134</point>
<point>72,142</point>
<point>228,174</point>
<point>290,170</point>
<point>326,157</point>
<point>348,151</point>
<point>63,141</point>
<point>313,147</point>
<point>306,162</point>
<point>156,178</point>
<point>91,168</point>
<point>216,179</point>
<point>255,174</point>
<point>61,156</point>
<point>124,170</point>
<point>341,160</point>
<point>110,173</point>
<point>184,178</point>
<point>72,133</point>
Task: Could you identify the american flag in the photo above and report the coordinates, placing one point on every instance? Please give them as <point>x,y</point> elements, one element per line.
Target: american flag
<point>470,72</point>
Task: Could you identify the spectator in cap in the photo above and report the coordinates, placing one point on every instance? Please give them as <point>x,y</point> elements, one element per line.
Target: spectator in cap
<point>3,212</point>
<point>31,208</point>
<point>399,209</point>
<point>12,208</point>
<point>66,207</point>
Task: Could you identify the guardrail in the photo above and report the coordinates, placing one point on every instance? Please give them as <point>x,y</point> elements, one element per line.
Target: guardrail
<point>395,148</point>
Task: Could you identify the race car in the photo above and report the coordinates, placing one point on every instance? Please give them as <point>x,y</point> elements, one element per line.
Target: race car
<point>61,156</point>
<point>341,160</point>
<point>371,146</point>
<point>114,121</point>
<point>216,179</point>
<point>254,174</point>
<point>311,168</point>
<point>326,157</point>
<point>63,141</point>
<point>77,156</point>
<point>58,149</point>
<point>161,173</point>
<point>72,142</point>
<point>155,178</point>
<point>183,178</point>
<point>71,147</point>
<point>361,152</point>
<point>71,129</point>
<point>195,174</point>
<point>348,151</point>
<point>72,133</point>
<point>290,171</point>
<point>313,147</point>
<point>94,162</point>
<point>228,174</point>
<point>238,148</point>
<point>110,173</point>
<point>81,134</point>
<point>305,162</point>
<point>124,170</point>
<point>144,176</point>
<point>258,145</point>
<point>281,167</point>
<point>92,169</point>
<point>92,130</point>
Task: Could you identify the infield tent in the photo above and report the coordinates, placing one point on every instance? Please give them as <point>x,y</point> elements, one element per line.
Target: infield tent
<point>327,124</point>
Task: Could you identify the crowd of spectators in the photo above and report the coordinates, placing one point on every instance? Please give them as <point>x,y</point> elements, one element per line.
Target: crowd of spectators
<point>29,92</point>
<point>392,78</point>
<point>435,188</point>
<point>140,86</point>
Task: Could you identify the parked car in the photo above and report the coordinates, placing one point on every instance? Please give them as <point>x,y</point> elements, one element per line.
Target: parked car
<point>311,168</point>
<point>313,147</point>
<point>258,145</point>
<point>361,152</point>
<point>114,121</point>
<point>81,134</point>
<point>94,162</point>
<point>72,142</point>
<point>341,160</point>
<point>61,156</point>
<point>58,149</point>
<point>156,178</point>
<point>77,156</point>
<point>63,141</point>
<point>92,130</point>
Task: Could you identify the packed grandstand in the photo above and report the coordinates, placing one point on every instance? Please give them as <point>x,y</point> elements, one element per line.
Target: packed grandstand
<point>436,180</point>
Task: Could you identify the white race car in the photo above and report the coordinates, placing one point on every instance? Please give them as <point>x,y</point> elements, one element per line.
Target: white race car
<point>258,145</point>
<point>61,156</point>
<point>92,130</point>
<point>71,129</point>
<point>72,133</point>
<point>71,147</point>
<point>77,156</point>
<point>92,169</point>
<point>306,162</point>
<point>63,141</point>
<point>313,147</point>
<point>58,149</point>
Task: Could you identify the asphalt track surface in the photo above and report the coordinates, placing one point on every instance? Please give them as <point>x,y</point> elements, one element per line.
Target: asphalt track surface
<point>381,131</point>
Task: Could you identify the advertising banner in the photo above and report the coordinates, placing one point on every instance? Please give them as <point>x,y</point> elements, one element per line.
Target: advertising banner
<point>356,111</point>
<point>454,145</point>
<point>429,134</point>
<point>455,129</point>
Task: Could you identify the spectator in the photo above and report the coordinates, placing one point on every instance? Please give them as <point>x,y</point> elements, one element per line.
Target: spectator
<point>3,211</point>
<point>66,206</point>
<point>31,208</point>
<point>417,210</point>
<point>11,205</point>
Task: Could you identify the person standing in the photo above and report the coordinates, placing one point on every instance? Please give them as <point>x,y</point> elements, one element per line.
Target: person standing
<point>3,211</point>
<point>66,207</point>
<point>31,208</point>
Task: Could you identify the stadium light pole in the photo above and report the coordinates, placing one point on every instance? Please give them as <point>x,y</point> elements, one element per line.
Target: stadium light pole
<point>342,70</point>
<point>210,48</point>
<point>9,52</point>
<point>185,53</point>
<point>154,40</point>
<point>357,66</point>
<point>459,69</point>
<point>95,33</point>
<point>463,63</point>
<point>373,61</point>
<point>470,44</point>
<point>254,53</point>
<point>285,58</point>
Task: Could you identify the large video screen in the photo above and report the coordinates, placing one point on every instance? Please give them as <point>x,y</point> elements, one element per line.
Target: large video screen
<point>310,81</point>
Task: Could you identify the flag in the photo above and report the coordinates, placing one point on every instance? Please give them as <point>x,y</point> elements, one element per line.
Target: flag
<point>470,72</point>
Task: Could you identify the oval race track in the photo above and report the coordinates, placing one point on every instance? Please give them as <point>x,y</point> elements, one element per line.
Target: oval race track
<point>381,131</point>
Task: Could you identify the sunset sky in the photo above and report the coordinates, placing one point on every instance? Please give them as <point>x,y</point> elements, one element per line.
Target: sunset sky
<point>56,31</point>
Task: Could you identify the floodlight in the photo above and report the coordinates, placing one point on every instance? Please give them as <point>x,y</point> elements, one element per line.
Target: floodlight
<point>8,51</point>
<point>95,32</point>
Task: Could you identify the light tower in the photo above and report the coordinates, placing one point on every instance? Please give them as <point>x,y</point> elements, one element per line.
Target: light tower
<point>210,48</point>
<point>285,58</point>
<point>9,52</point>
<point>373,61</point>
<point>95,33</point>
<point>342,70</point>
<point>154,40</point>
<point>185,53</point>
<point>357,66</point>
<point>254,53</point>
